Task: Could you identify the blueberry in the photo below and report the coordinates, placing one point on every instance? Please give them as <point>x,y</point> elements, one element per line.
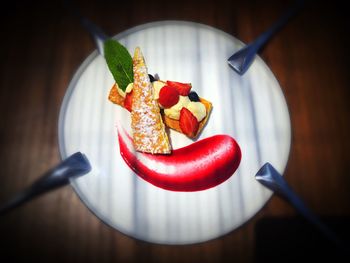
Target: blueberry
<point>151,78</point>
<point>193,96</point>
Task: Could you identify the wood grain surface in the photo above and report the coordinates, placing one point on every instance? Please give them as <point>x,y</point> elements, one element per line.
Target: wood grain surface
<point>41,47</point>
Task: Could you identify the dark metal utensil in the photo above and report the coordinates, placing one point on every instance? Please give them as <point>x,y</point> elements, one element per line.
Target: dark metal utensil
<point>243,58</point>
<point>273,180</point>
<point>74,166</point>
<point>97,34</point>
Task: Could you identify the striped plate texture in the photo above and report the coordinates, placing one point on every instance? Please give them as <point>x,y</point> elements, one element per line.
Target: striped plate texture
<point>252,109</point>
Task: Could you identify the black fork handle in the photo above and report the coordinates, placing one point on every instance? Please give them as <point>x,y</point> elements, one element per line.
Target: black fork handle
<point>74,166</point>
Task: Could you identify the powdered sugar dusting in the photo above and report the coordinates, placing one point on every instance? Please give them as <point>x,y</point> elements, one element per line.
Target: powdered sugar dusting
<point>147,126</point>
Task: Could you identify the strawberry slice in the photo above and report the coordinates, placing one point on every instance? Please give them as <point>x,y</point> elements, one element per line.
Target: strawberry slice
<point>182,88</point>
<point>188,123</point>
<point>128,101</point>
<point>168,96</point>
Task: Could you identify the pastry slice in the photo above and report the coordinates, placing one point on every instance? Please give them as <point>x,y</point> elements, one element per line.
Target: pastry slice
<point>118,99</point>
<point>148,129</point>
<point>175,124</point>
<point>115,97</point>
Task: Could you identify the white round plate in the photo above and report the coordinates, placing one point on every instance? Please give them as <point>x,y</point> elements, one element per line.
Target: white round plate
<point>251,109</point>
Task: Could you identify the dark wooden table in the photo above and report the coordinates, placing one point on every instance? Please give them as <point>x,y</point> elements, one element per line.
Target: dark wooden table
<point>42,46</point>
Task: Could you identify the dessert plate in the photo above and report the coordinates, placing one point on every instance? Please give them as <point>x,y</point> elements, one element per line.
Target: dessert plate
<point>252,109</point>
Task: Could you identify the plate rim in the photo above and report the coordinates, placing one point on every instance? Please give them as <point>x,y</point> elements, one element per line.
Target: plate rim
<point>72,85</point>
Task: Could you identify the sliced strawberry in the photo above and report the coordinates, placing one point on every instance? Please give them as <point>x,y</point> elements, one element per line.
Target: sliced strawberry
<point>168,96</point>
<point>182,88</point>
<point>188,123</point>
<point>128,101</point>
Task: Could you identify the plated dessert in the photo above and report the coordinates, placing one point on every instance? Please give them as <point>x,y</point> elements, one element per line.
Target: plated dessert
<point>156,105</point>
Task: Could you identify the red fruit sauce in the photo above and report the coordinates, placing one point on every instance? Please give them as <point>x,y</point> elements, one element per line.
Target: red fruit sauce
<point>199,166</point>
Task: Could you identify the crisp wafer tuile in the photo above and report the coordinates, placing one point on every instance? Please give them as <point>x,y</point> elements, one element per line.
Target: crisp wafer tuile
<point>148,129</point>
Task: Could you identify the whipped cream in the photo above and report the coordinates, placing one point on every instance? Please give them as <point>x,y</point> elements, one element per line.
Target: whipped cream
<point>174,111</point>
<point>198,109</point>
<point>127,90</point>
<point>157,85</point>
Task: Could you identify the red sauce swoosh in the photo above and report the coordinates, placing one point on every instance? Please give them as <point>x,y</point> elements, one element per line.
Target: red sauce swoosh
<point>198,166</point>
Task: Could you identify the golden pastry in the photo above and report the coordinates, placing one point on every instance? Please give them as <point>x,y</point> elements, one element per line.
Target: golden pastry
<point>148,129</point>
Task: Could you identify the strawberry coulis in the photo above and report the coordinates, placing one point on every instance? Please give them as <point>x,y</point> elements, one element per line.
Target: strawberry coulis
<point>198,166</point>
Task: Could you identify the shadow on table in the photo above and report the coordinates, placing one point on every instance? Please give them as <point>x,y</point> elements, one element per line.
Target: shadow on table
<point>293,239</point>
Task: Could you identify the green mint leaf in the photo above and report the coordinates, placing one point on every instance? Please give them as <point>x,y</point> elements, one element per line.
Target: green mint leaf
<point>119,62</point>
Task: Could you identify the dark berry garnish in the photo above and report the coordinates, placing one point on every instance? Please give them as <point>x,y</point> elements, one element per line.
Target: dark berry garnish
<point>193,96</point>
<point>151,78</point>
